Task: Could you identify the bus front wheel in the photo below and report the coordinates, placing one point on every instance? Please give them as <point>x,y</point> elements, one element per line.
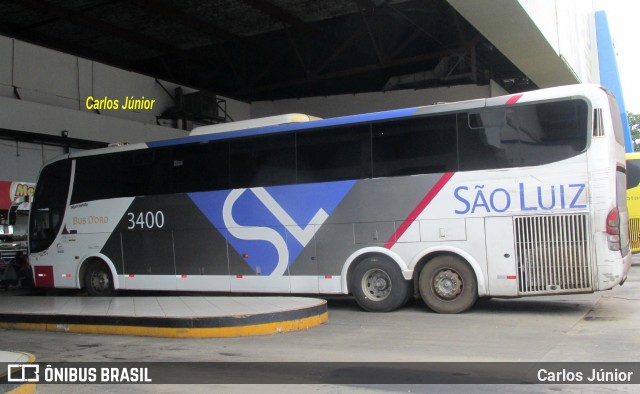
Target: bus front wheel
<point>97,280</point>
<point>448,285</point>
<point>378,285</point>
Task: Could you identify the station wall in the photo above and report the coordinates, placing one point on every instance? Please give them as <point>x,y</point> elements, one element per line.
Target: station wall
<point>53,88</point>
<point>43,76</point>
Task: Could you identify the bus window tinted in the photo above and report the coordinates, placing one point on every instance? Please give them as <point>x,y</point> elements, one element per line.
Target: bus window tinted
<point>125,174</point>
<point>480,147</point>
<point>263,161</point>
<point>415,146</point>
<point>200,167</point>
<point>334,154</point>
<point>533,134</point>
<point>489,138</point>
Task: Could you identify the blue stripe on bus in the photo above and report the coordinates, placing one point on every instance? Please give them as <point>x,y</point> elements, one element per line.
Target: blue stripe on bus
<point>375,116</point>
<point>261,230</point>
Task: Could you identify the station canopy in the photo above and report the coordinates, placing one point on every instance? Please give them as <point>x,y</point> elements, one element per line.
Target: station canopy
<point>274,49</point>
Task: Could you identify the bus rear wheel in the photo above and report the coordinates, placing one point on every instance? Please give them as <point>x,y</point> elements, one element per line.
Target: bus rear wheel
<point>448,285</point>
<point>97,280</point>
<point>378,285</point>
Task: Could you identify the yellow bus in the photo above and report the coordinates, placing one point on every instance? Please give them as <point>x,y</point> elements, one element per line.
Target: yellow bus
<point>633,199</point>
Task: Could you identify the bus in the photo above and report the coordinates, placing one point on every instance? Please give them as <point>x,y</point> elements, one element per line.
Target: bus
<point>633,199</point>
<point>520,195</point>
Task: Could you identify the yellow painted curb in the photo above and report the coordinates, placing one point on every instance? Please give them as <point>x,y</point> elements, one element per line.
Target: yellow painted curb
<point>29,388</point>
<point>168,332</point>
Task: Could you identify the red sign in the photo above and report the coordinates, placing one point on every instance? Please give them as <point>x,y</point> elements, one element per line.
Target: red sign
<point>10,190</point>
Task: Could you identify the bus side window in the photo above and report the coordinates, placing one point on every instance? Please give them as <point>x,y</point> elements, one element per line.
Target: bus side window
<point>263,161</point>
<point>98,177</point>
<point>481,142</point>
<point>145,172</point>
<point>563,124</point>
<point>522,135</point>
<point>334,154</point>
<point>424,145</point>
<point>200,167</point>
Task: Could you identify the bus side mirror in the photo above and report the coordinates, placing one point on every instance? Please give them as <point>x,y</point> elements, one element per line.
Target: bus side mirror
<point>633,175</point>
<point>20,200</point>
<point>13,210</point>
<point>12,217</point>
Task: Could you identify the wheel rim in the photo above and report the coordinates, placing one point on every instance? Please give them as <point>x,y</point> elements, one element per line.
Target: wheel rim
<point>447,284</point>
<point>376,284</point>
<point>100,281</point>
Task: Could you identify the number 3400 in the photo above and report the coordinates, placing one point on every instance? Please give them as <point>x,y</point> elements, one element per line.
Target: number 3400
<point>145,220</point>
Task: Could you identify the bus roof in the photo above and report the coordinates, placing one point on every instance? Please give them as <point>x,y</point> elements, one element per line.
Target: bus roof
<point>253,123</point>
<point>286,127</point>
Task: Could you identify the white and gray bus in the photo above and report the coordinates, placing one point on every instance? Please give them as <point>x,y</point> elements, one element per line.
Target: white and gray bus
<point>501,197</point>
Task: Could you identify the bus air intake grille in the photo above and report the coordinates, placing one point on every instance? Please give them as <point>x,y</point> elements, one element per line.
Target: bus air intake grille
<point>634,234</point>
<point>598,123</point>
<point>552,254</point>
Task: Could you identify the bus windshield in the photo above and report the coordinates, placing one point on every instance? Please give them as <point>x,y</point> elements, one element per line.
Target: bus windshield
<point>49,204</point>
<point>633,199</point>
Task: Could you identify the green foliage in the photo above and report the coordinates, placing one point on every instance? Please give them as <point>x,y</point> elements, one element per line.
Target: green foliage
<point>634,125</point>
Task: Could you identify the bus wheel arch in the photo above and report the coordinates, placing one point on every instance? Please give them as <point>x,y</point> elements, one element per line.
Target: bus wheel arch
<point>97,277</point>
<point>377,283</point>
<point>447,282</point>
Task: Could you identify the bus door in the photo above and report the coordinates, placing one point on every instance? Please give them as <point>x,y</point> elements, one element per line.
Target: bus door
<point>501,256</point>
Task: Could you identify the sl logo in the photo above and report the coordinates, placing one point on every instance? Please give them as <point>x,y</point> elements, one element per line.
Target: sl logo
<point>272,224</point>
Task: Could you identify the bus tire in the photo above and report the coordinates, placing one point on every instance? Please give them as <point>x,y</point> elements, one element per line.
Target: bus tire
<point>448,284</point>
<point>378,285</point>
<point>97,280</point>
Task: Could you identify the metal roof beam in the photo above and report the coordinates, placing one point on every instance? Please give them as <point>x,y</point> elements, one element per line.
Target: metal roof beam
<point>355,71</point>
<point>80,18</point>
<point>48,21</point>
<point>372,38</point>
<point>87,21</point>
<point>368,4</point>
<point>288,21</point>
<point>277,13</point>
<point>48,139</point>
<point>75,48</point>
<point>345,44</point>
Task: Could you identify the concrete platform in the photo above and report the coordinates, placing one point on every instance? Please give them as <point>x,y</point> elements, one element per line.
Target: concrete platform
<point>13,357</point>
<point>179,317</point>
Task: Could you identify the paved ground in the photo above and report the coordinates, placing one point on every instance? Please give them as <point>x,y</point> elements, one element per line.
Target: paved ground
<point>594,327</point>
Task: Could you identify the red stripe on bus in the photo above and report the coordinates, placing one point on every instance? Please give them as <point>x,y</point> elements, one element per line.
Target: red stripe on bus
<point>514,99</point>
<point>511,277</point>
<point>418,209</point>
